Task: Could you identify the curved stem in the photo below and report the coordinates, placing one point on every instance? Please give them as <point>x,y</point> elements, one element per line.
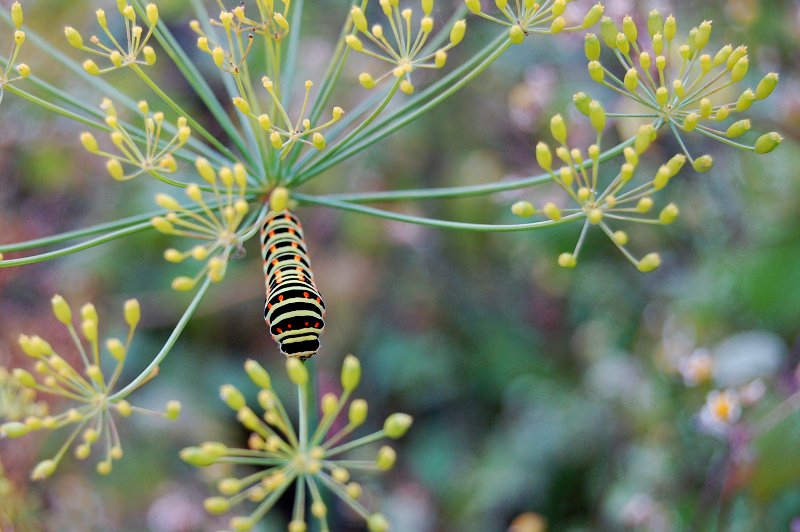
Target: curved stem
<point>430,222</point>
<point>173,337</point>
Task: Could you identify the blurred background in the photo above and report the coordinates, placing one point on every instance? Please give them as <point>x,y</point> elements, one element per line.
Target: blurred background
<point>541,396</point>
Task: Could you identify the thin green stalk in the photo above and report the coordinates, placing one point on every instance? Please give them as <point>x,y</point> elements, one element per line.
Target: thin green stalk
<point>467,190</point>
<point>430,222</point>
<point>165,350</point>
<point>192,122</point>
<point>23,261</point>
<point>403,116</point>
<point>199,84</point>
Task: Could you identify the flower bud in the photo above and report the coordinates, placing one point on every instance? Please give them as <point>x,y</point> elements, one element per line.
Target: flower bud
<point>559,129</point>
<point>567,260</point>
<point>14,429</point>
<point>516,34</point>
<point>766,85</point>
<point>593,16</point>
<point>457,32</point>
<point>44,469</point>
<point>632,79</point>
<point>149,55</point>
<point>328,404</point>
<point>703,163</point>
<point>232,397</point>
<point>351,373</point>
<point>183,284</point>
<point>74,37</point>
<point>768,142</point>
<point>668,214</point>
<point>608,32</point>
<point>116,348</point>
<point>670,28</point>
<point>132,312</point>
<point>523,209</point>
<point>258,374</point>
<point>629,29</point>
<point>358,412</point>
<point>173,410</point>
<point>474,6</point>
<point>722,55</point>
<point>596,71</point>
<point>551,211</point>
<point>745,100</point>
<point>61,309</point>
<point>298,373</point>
<point>739,70</point>
<point>591,47</point>
<point>655,24</point>
<point>739,128</point>
<point>649,263</point>
<point>16,14</point>
<point>216,505</point>
<point>377,523</point>
<point>397,425</point>
<point>582,101</point>
<point>597,116</point>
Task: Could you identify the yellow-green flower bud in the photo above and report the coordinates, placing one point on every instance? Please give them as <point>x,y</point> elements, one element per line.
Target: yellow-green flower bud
<point>74,37</point>
<point>544,156</point>
<point>203,456</point>
<point>608,32</point>
<point>668,214</point>
<point>377,523</point>
<point>558,25</point>
<point>318,140</point>
<point>115,170</point>
<point>632,80</point>
<point>328,404</point>
<point>149,55</point>
<point>644,205</point>
<point>745,100</point>
<point>551,211</point>
<point>319,510</point>
<point>661,96</point>
<point>703,163</point>
<point>61,309</point>
<point>595,216</point>
<point>739,70</point>
<point>14,429</point>
<point>173,410</point>
<point>366,80</point>
<point>567,260</point>
<point>676,164</point>
<point>358,412</point>
<point>397,425</point>
<point>655,24</point>
<point>351,373</point>
<point>702,35</point>
<point>739,128</point>
<point>242,105</point>
<point>457,32</point>
<point>216,505</point>
<point>670,28</point>
<point>649,263</point>
<point>258,374</point>
<point>440,58</point>
<point>722,55</point>
<point>596,71</point>
<point>229,486</point>
<point>116,348</point>
<point>734,57</point>
<point>241,524</point>
<point>766,85</point>
<point>593,16</point>
<point>183,284</point>
<point>232,397</point>
<point>597,116</point>
<point>297,526</point>
<point>768,142</point>
<point>523,209</point>
<point>16,14</point>
<point>132,312</point>
<point>629,29</point>
<point>559,129</point>
<point>643,138</point>
<point>359,20</point>
<point>474,6</point>
<point>690,122</point>
<point>516,34</point>
<point>661,178</point>
<point>622,43</point>
<point>298,373</point>
<point>23,70</point>
<point>620,238</point>
<point>44,469</point>
<point>558,7</point>
<point>591,47</point>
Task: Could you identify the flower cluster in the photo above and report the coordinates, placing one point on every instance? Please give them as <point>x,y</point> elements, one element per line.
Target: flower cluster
<point>304,458</point>
<point>284,134</point>
<point>405,51</point>
<point>621,199</point>
<point>530,17</point>
<point>220,222</point>
<point>16,401</point>
<point>120,53</point>
<point>92,389</point>
<point>14,73</point>
<point>677,84</point>
<point>230,57</point>
<point>155,157</point>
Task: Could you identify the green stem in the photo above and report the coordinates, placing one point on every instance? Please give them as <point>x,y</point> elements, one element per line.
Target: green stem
<point>23,261</point>
<point>414,109</point>
<point>173,337</point>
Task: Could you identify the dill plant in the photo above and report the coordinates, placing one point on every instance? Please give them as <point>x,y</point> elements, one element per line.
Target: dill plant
<point>271,147</point>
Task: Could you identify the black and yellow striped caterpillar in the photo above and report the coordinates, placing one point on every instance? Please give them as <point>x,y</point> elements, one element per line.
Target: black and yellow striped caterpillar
<point>293,310</point>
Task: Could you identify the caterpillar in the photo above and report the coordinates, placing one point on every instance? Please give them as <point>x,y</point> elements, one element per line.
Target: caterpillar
<point>293,309</point>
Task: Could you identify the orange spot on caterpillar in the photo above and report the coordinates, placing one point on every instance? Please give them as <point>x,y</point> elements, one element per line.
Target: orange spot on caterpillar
<point>280,298</point>
<point>305,294</point>
<point>306,324</point>
<point>280,331</point>
<point>289,326</point>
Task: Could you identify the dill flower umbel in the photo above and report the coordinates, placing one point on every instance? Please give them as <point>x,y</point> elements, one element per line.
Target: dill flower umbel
<point>405,51</point>
<point>90,388</point>
<point>13,73</point>
<point>620,200</point>
<point>220,222</point>
<point>154,158</point>
<point>677,84</point>
<point>16,401</point>
<point>119,52</point>
<point>530,17</point>
<point>308,458</point>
